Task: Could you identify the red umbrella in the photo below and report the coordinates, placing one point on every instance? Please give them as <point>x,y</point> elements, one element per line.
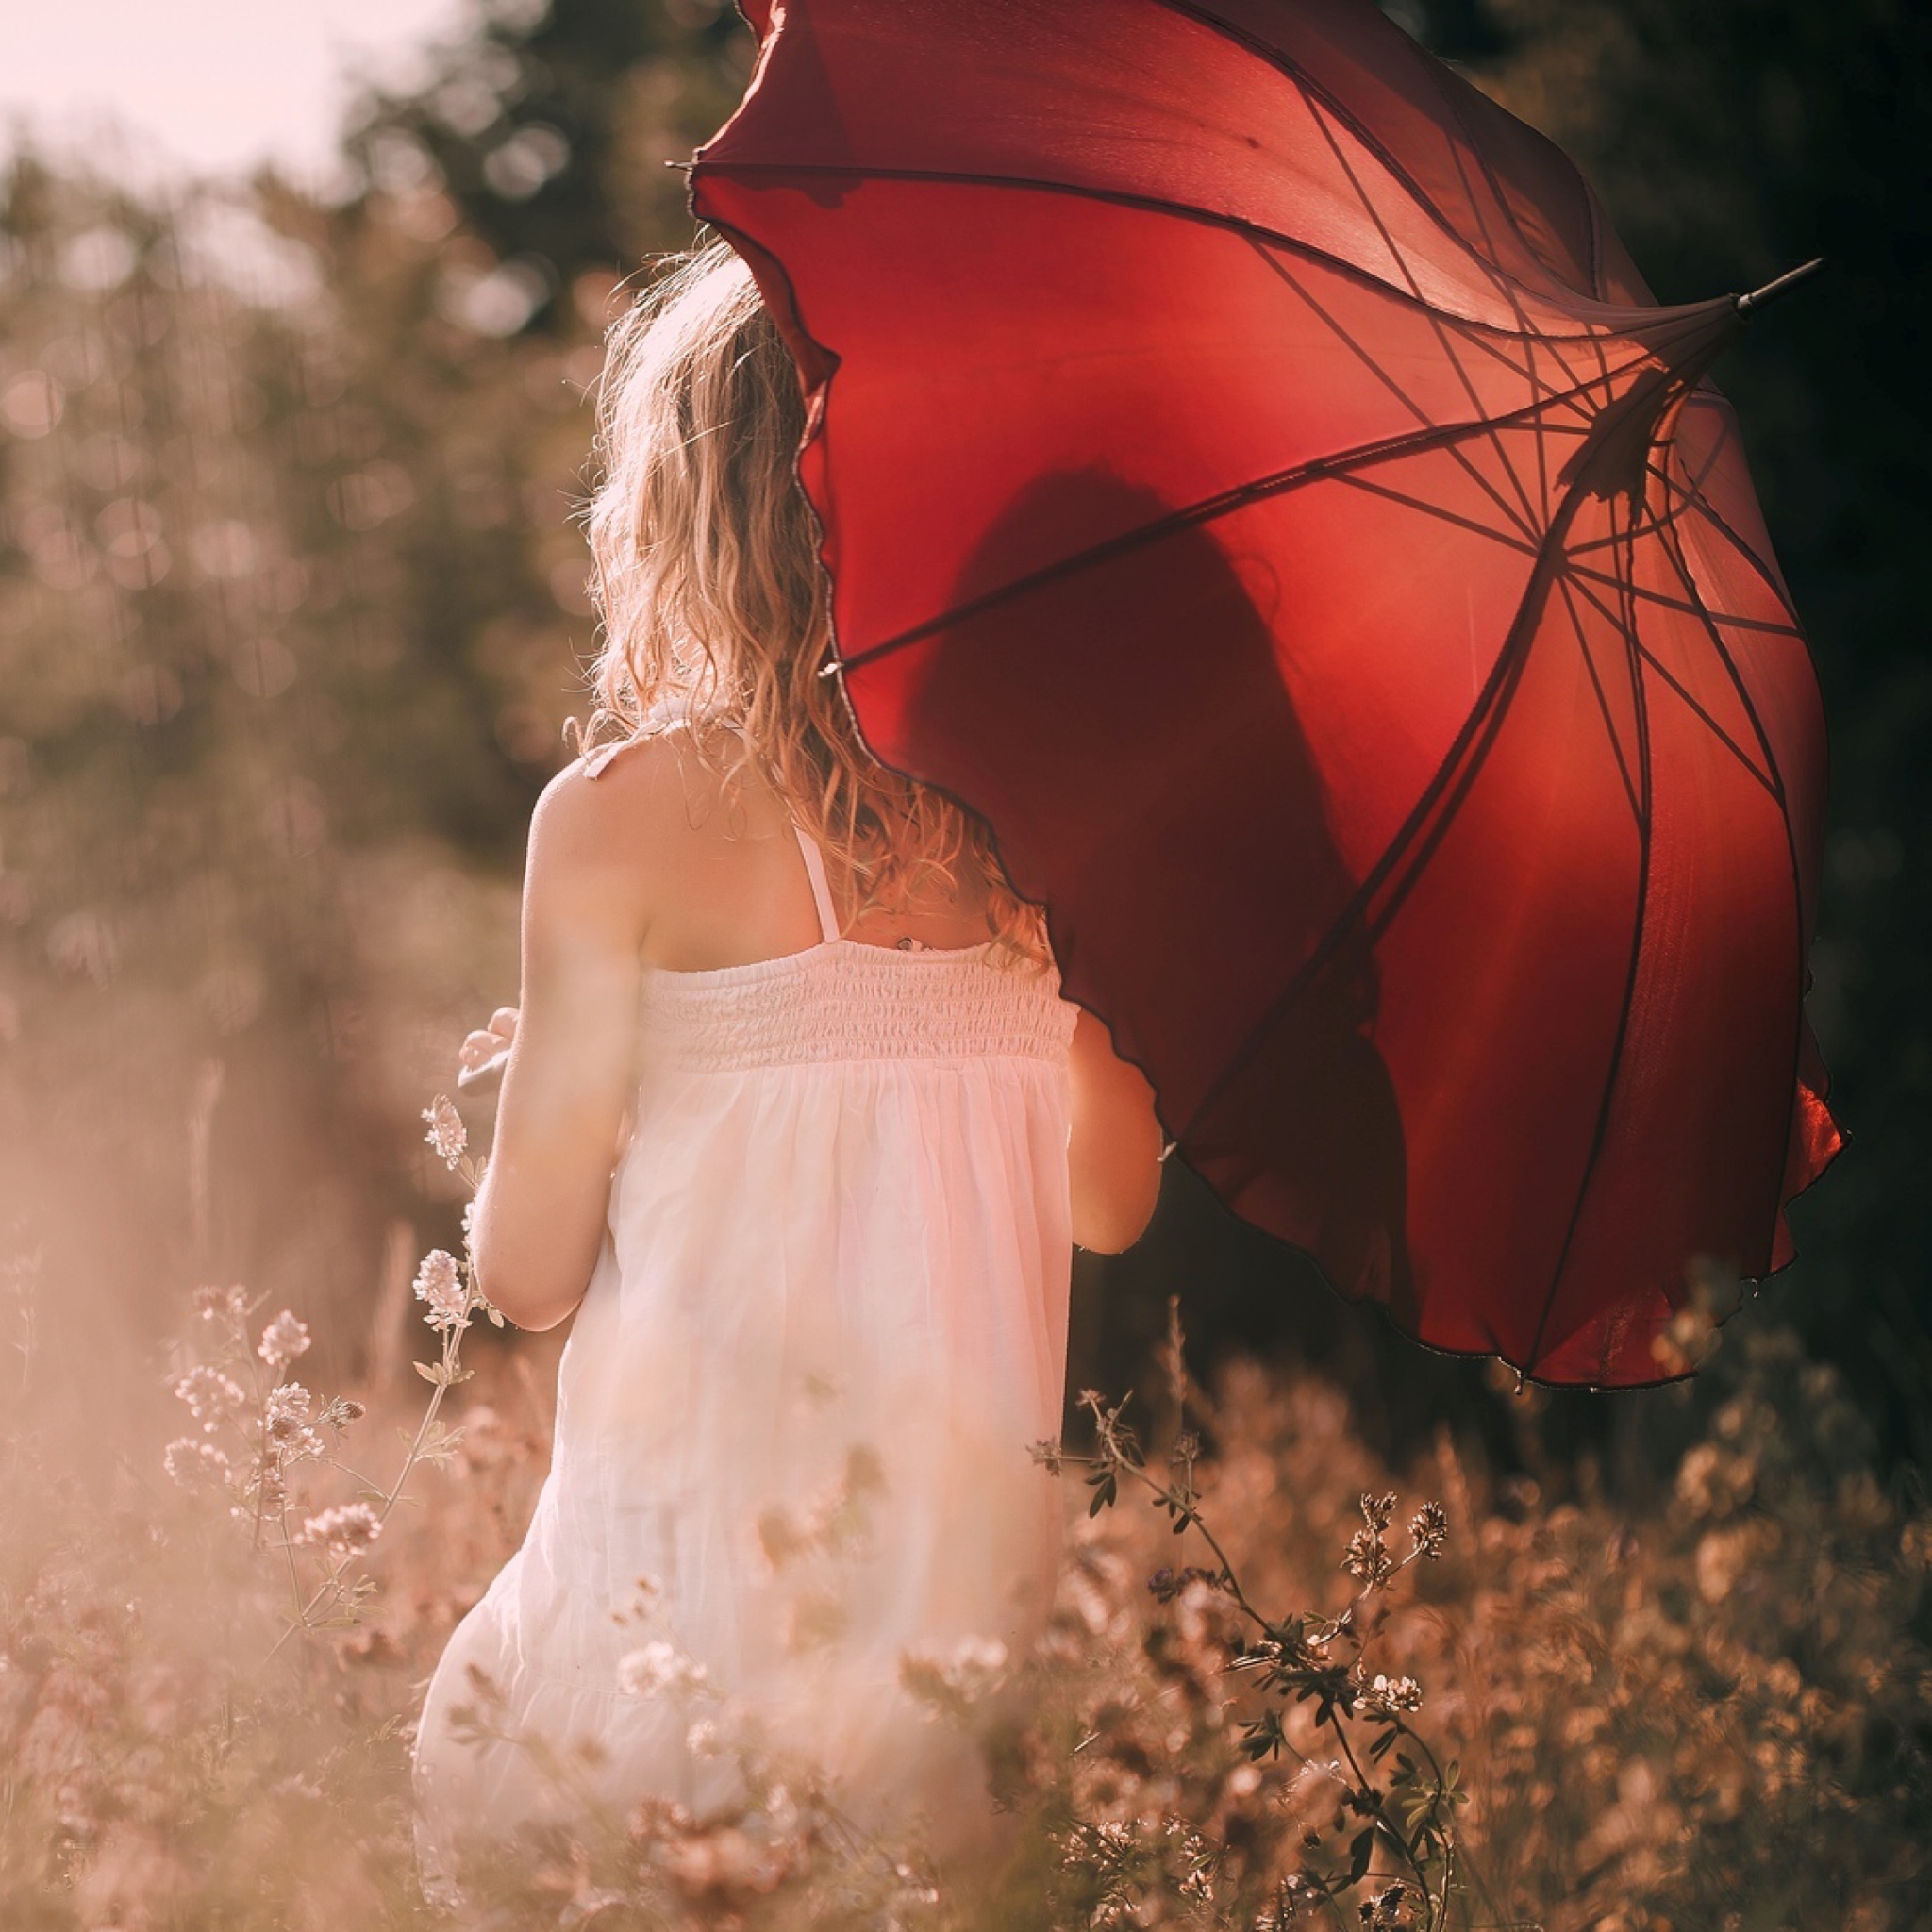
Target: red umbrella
<point>1253,476</point>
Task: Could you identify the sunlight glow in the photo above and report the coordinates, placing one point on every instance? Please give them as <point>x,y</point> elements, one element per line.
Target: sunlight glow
<point>214,87</point>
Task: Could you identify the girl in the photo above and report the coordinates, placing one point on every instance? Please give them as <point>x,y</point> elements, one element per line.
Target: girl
<point>821,1302</point>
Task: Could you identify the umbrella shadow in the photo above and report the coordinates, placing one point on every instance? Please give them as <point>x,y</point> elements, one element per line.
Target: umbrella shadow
<point>1127,726</point>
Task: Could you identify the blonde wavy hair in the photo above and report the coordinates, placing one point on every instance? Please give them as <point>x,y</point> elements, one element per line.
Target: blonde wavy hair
<point>714,604</point>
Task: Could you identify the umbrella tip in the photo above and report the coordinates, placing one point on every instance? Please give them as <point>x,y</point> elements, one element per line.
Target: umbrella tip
<point>1749,305</point>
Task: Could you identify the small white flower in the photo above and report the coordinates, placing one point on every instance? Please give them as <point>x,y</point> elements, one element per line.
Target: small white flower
<point>286,1414</point>
<point>657,1666</point>
<point>446,1134</point>
<point>283,1340</point>
<point>195,1464</point>
<point>1387,1696</point>
<point>344,1529</point>
<point>211,1396</point>
<point>440,1283</point>
<point>216,1304</point>
<point>286,1402</point>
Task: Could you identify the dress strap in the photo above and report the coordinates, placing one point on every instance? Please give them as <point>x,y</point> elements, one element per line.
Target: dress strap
<point>595,762</point>
<point>665,715</point>
<point>821,890</point>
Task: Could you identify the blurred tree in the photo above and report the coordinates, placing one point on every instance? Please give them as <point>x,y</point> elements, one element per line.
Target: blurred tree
<point>291,608</point>
<point>555,128</point>
<point>1457,29</point>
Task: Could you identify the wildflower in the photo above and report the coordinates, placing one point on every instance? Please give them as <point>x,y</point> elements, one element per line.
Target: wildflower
<point>346,1529</point>
<point>265,1489</point>
<point>195,1464</point>
<point>1386,1696</point>
<point>657,1666</point>
<point>212,1304</point>
<point>1166,1584</point>
<point>1383,1912</point>
<point>440,1283</point>
<point>288,1402</point>
<point>446,1133</point>
<point>211,1396</point>
<point>286,1415</point>
<point>283,1340</point>
<point>1368,1559</point>
<point>1428,1529</point>
<point>1046,1453</point>
<point>1378,1511</point>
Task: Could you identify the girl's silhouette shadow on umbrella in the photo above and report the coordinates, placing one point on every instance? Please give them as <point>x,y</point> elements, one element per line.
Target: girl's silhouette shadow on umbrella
<point>1149,735</point>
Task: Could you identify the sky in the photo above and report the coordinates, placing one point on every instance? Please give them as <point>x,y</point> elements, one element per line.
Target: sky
<point>206,86</point>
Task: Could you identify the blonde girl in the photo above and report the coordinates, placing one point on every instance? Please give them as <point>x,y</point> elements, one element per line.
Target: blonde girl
<point>796,1125</point>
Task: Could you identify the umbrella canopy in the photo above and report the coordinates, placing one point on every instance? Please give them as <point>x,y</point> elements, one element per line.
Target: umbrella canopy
<point>1253,476</point>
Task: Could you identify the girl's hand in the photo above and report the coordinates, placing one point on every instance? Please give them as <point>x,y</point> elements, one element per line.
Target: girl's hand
<point>483,1055</point>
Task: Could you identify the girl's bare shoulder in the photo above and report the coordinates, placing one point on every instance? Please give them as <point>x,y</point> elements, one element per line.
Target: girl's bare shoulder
<point>606,825</point>
<point>634,816</point>
<point>653,786</point>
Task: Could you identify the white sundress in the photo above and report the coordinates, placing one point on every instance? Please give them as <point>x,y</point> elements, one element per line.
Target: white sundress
<point>828,1325</point>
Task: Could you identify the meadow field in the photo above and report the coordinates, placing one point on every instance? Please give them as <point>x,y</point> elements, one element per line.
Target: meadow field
<point>292,615</point>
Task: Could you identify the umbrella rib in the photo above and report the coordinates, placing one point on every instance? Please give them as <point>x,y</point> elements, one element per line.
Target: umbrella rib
<point>1692,486</point>
<point>1469,146</point>
<point>1546,392</point>
<point>1288,66</point>
<point>1527,547</point>
<point>1457,770</point>
<point>1710,630</point>
<point>1679,498</point>
<point>1658,598</point>
<point>1603,697</point>
<point>1208,510</point>
<point>1509,291</point>
<point>1797,871</point>
<point>1395,390</point>
<point>1368,207</point>
<point>1441,334</point>
<point>1670,677</point>
<point>1607,1104</point>
<point>788,171</point>
<point>1655,527</point>
<point>1707,509</point>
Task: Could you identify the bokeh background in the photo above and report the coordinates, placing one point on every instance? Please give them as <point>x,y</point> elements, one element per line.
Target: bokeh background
<point>293,613</point>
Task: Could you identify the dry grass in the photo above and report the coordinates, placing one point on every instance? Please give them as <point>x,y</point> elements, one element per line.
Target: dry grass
<point>1717,1713</point>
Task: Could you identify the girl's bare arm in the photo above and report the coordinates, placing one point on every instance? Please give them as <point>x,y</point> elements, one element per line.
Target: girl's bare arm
<point>540,1215</point>
<point>1115,1157</point>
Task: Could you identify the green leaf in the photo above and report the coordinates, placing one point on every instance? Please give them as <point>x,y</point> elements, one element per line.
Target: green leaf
<point>1360,1853</point>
